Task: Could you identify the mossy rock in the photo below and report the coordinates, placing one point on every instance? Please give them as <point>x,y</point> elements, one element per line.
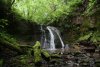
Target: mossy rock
<point>55,55</point>
<point>45,55</point>
<point>37,52</point>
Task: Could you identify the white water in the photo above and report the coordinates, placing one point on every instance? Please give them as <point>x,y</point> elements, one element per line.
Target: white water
<point>52,44</point>
<point>52,37</point>
<point>58,33</point>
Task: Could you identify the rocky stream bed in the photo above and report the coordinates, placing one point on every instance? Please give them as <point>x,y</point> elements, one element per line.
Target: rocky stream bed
<point>58,59</point>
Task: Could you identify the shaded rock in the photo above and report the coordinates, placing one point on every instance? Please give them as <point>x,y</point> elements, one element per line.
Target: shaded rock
<point>19,61</point>
<point>45,55</point>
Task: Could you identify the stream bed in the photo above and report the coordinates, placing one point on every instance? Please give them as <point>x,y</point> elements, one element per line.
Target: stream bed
<point>74,59</point>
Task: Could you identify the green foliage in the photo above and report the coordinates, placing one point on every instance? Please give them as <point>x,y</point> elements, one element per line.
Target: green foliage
<point>9,39</point>
<point>85,37</point>
<point>90,8</point>
<point>92,36</point>
<point>96,37</point>
<point>44,11</point>
<point>24,59</point>
<point>3,23</point>
<point>46,54</point>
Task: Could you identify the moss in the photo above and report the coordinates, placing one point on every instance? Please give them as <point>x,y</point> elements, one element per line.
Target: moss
<point>45,55</point>
<point>9,42</point>
<point>55,56</point>
<point>37,52</point>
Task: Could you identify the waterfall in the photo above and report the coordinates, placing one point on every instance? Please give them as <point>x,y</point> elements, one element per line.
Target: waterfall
<point>52,44</point>
<point>51,38</point>
<point>53,30</point>
<point>58,33</point>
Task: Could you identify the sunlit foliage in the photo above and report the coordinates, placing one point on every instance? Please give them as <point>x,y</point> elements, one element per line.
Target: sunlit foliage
<point>90,7</point>
<point>44,11</point>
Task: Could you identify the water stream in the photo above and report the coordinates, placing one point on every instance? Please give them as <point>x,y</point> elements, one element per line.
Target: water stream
<point>52,38</point>
<point>49,39</point>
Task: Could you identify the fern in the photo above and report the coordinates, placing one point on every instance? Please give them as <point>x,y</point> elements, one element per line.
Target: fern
<point>3,23</point>
<point>96,37</point>
<point>9,39</point>
<point>93,37</point>
<point>85,37</point>
<point>89,11</point>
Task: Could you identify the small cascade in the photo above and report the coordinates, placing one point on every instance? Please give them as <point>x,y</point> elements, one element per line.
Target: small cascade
<point>51,38</point>
<point>52,44</point>
<point>58,33</point>
<point>53,30</point>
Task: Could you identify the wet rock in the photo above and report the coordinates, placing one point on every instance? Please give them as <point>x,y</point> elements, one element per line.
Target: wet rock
<point>70,63</point>
<point>53,61</point>
<point>84,65</point>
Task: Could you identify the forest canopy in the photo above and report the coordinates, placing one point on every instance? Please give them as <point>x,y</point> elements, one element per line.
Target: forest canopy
<point>44,11</point>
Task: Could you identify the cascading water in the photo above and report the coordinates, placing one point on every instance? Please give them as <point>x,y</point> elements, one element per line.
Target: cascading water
<point>51,38</point>
<point>58,33</point>
<point>52,44</point>
<point>53,30</point>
